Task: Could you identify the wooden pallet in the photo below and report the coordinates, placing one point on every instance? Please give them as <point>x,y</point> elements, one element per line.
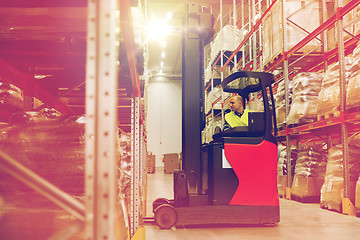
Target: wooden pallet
<point>352,110</point>
<point>281,126</point>
<point>333,209</point>
<point>273,59</point>
<point>328,115</point>
<point>306,199</point>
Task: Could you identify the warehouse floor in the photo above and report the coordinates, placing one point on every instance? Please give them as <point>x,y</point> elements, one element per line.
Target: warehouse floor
<point>297,221</point>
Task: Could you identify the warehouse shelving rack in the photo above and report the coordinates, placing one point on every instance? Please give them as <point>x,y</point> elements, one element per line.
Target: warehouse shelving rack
<point>325,130</point>
<point>102,214</point>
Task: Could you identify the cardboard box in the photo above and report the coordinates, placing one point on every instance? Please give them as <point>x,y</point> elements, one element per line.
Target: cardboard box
<point>150,163</point>
<point>281,185</point>
<point>305,187</point>
<point>171,162</point>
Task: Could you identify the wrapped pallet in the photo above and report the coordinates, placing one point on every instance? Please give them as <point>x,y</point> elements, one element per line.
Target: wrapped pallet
<point>282,168</point>
<point>50,146</point>
<point>11,96</point>
<point>357,194</point>
<point>309,173</point>
<point>213,98</point>
<point>279,98</point>
<point>297,12</point>
<point>329,96</point>
<point>353,91</point>
<point>332,190</point>
<point>353,87</point>
<point>305,98</point>
<point>227,39</point>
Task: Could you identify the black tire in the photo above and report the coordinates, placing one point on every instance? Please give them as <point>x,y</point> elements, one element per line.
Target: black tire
<point>158,202</point>
<point>165,216</point>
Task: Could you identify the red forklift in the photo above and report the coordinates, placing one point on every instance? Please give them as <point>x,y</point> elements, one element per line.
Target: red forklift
<point>236,181</point>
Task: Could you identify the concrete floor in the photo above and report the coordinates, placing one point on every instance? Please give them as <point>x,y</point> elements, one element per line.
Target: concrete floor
<point>297,221</point>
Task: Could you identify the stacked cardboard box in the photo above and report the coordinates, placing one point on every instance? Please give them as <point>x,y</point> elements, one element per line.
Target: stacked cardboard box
<point>332,190</point>
<point>150,163</point>
<point>171,162</point>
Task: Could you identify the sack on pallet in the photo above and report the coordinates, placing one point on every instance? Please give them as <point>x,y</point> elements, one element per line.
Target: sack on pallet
<point>282,167</point>
<point>306,89</point>
<point>353,91</point>
<point>309,172</point>
<point>311,161</point>
<point>357,194</point>
<point>279,98</point>
<point>332,190</point>
<point>329,96</point>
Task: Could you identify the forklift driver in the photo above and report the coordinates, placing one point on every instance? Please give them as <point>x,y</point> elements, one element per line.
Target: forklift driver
<point>238,115</point>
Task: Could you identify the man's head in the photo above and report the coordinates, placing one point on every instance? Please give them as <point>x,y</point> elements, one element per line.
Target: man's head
<point>236,104</point>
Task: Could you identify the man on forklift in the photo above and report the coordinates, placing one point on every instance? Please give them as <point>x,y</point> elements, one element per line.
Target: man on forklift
<point>238,115</point>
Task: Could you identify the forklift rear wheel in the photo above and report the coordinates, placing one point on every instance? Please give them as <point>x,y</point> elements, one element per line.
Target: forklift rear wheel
<point>165,216</point>
<point>158,202</point>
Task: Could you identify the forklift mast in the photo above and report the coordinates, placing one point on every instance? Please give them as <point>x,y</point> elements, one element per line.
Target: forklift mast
<point>197,27</point>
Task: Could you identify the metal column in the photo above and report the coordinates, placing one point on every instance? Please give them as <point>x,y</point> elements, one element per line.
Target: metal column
<point>287,100</point>
<point>344,131</point>
<point>135,165</point>
<point>101,101</point>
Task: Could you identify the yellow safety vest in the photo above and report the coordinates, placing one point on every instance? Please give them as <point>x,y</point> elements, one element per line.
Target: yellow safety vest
<point>235,121</point>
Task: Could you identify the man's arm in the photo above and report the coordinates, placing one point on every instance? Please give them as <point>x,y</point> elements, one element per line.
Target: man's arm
<point>226,126</point>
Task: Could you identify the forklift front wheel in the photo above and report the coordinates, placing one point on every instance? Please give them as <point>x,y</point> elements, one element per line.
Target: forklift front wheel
<point>165,216</point>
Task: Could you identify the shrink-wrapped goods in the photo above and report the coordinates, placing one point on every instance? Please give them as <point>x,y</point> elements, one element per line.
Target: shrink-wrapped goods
<point>311,161</point>
<point>210,129</point>
<point>329,96</point>
<point>296,12</point>
<point>279,98</point>
<point>227,39</point>
<point>215,73</point>
<point>309,172</point>
<point>213,98</point>
<point>353,91</point>
<point>11,96</point>
<point>353,87</point>
<point>282,167</point>
<point>51,147</point>
<point>305,98</point>
<point>357,194</point>
<point>332,190</point>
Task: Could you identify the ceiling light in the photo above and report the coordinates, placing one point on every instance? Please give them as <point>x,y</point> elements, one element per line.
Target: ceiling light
<point>157,30</point>
<point>164,44</point>
<point>163,55</point>
<point>169,15</point>
<point>162,64</point>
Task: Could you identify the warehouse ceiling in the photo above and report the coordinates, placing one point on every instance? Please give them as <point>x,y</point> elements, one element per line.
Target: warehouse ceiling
<point>164,29</point>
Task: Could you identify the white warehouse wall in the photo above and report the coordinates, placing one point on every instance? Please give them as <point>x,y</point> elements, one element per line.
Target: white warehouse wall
<point>164,117</point>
